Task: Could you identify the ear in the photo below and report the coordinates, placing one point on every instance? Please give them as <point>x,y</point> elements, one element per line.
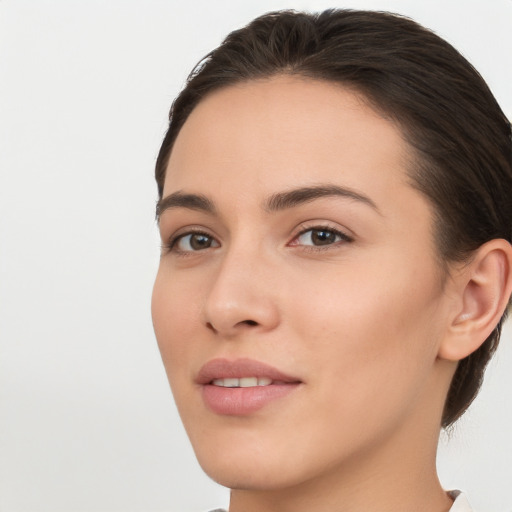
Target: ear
<point>483,288</point>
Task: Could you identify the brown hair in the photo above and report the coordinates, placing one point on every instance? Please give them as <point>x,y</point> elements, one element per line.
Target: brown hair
<point>461,138</point>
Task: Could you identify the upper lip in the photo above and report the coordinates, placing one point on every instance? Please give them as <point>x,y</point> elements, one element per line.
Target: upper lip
<point>239,368</point>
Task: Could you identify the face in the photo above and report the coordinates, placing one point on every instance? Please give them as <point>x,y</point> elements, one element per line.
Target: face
<point>298,304</point>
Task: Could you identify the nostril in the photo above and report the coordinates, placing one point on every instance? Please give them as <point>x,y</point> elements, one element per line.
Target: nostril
<point>217,330</point>
<point>250,322</point>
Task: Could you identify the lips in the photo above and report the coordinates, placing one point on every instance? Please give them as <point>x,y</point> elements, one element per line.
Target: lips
<point>240,368</point>
<point>243,386</point>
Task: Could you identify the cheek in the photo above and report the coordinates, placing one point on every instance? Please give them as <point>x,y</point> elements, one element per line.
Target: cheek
<point>372,336</point>
<point>174,312</point>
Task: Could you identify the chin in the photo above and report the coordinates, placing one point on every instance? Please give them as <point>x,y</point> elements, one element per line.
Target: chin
<point>248,475</point>
<point>248,481</point>
<point>261,463</point>
<point>250,461</point>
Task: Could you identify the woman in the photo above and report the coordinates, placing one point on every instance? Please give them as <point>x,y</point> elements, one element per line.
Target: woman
<point>334,207</point>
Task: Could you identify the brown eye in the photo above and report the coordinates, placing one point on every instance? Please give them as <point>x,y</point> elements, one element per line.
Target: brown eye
<point>194,242</point>
<point>321,236</point>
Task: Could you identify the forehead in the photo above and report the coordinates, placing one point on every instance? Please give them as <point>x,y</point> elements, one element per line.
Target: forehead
<point>271,134</point>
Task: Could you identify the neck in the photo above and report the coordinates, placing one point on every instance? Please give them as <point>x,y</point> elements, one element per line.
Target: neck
<point>398,475</point>
<point>365,485</point>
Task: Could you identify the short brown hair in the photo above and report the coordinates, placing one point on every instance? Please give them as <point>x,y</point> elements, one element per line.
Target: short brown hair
<point>461,138</point>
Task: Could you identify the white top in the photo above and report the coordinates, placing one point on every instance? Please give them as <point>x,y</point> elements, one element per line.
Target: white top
<point>460,504</point>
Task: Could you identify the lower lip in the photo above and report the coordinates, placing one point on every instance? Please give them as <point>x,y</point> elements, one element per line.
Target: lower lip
<point>243,401</point>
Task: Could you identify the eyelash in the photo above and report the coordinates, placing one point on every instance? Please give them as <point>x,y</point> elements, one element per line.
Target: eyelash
<point>344,238</point>
<point>170,246</point>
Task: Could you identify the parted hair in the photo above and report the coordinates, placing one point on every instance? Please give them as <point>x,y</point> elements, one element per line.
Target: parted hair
<point>460,139</point>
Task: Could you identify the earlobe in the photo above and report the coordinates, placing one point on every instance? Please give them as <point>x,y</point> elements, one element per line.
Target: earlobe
<point>484,288</point>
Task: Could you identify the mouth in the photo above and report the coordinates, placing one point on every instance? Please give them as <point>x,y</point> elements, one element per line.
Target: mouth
<point>243,386</point>
<point>244,382</point>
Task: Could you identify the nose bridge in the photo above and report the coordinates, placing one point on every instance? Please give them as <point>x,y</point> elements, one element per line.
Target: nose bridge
<point>240,295</point>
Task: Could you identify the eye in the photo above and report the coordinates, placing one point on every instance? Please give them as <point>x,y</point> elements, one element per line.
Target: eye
<point>320,236</point>
<point>193,242</point>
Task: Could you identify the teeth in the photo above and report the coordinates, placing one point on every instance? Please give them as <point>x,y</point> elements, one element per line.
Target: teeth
<point>244,382</point>
<point>231,383</point>
<point>248,382</point>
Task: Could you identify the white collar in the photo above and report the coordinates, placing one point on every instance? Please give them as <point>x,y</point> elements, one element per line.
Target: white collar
<point>461,503</point>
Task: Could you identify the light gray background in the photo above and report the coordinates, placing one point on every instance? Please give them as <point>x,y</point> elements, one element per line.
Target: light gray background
<point>86,418</point>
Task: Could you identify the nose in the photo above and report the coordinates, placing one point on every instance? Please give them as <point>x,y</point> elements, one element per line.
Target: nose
<point>242,296</point>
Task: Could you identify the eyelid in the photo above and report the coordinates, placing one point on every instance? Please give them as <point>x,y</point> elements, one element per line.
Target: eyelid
<point>170,244</point>
<point>321,226</point>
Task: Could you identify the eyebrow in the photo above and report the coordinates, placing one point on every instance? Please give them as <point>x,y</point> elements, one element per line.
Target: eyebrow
<point>298,196</point>
<point>181,200</point>
<point>276,202</point>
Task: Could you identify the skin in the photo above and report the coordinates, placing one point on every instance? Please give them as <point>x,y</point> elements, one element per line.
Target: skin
<point>360,321</point>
